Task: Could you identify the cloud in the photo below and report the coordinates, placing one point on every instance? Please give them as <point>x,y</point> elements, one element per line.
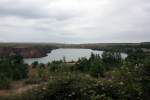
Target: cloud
<point>74,21</point>
<point>23,8</point>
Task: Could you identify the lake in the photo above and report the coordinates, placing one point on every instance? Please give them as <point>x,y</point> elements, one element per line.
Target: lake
<point>69,54</point>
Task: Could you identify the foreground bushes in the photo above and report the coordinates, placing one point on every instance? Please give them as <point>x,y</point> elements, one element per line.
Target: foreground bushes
<point>67,87</point>
<point>4,82</point>
<point>11,68</point>
<point>124,84</point>
<point>129,81</point>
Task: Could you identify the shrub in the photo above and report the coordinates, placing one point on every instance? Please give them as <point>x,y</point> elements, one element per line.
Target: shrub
<point>4,82</point>
<point>35,64</point>
<point>12,68</point>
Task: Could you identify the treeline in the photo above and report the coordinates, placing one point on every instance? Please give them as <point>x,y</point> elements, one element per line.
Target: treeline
<point>123,47</point>
<point>97,65</point>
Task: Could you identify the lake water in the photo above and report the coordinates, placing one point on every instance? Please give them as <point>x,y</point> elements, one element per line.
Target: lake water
<point>69,54</point>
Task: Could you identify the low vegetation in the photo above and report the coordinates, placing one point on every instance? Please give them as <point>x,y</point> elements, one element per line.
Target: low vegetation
<point>98,78</point>
<point>12,68</point>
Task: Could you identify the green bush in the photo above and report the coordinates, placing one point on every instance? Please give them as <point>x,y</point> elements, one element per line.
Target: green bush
<point>35,64</point>
<point>12,68</point>
<point>96,65</point>
<point>4,82</point>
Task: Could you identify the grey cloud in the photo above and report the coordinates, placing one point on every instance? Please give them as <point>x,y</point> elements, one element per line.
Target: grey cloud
<point>22,8</point>
<point>34,9</point>
<point>25,13</point>
<point>74,21</point>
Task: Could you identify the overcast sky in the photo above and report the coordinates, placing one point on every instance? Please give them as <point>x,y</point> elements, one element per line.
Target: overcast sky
<point>74,21</point>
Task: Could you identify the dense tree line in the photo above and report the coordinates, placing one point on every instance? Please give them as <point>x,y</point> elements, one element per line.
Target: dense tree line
<point>97,65</point>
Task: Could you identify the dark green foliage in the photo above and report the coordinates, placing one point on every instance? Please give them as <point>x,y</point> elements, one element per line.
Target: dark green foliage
<point>12,68</point>
<point>143,73</point>
<point>35,64</point>
<point>136,56</point>
<point>97,65</point>
<point>129,80</point>
<point>83,64</point>
<point>55,66</point>
<point>93,65</point>
<point>64,87</point>
<point>111,59</point>
<point>125,83</point>
<point>97,69</point>
<point>4,82</point>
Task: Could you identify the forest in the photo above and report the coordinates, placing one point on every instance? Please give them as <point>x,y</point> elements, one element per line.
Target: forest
<point>106,77</point>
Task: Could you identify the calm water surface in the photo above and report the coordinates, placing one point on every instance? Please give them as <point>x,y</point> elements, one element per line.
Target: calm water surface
<point>69,54</point>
